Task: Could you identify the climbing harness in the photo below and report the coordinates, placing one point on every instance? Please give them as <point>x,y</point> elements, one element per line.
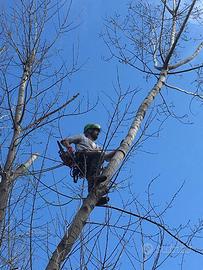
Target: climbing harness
<point>71,159</point>
<point>81,164</point>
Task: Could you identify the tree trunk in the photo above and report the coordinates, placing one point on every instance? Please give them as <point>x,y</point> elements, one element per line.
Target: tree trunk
<point>64,247</point>
<point>4,194</point>
<point>7,170</point>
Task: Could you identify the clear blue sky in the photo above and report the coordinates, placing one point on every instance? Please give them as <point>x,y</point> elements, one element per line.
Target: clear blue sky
<point>175,154</point>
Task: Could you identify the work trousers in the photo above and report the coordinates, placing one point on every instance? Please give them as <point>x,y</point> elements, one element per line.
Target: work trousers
<point>90,164</point>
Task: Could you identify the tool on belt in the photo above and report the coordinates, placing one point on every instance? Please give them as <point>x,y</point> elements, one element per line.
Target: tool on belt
<point>69,159</point>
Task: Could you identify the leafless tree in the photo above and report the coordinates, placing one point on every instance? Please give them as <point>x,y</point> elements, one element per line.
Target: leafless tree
<point>33,100</point>
<point>149,39</point>
<point>33,97</point>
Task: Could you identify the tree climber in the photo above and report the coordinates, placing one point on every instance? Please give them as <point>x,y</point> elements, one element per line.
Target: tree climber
<point>90,156</point>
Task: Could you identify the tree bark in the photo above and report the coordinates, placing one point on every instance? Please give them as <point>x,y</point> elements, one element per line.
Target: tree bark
<point>70,237</point>
<point>7,170</point>
<point>4,194</point>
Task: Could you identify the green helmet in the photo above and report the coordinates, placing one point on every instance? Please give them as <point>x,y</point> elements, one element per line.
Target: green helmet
<point>92,126</point>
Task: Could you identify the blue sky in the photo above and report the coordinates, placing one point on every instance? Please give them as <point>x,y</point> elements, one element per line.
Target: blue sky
<point>176,153</point>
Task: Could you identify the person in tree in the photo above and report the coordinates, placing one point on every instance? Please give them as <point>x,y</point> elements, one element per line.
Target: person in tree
<point>90,156</point>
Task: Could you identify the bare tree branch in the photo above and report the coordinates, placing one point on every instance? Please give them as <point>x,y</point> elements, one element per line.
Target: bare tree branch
<point>188,59</point>
<point>177,238</point>
<point>39,120</point>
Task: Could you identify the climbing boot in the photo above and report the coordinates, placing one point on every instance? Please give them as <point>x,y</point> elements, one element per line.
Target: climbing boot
<point>102,201</point>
